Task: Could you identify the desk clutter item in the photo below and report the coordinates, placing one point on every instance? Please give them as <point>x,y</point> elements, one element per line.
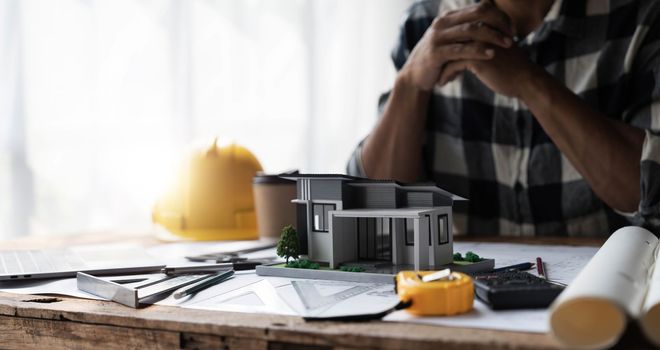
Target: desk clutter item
<point>236,294</point>
<point>513,289</point>
<point>115,290</point>
<point>107,259</point>
<point>246,264</point>
<point>132,290</point>
<point>272,202</point>
<point>213,200</point>
<point>204,284</point>
<point>236,255</point>
<point>435,293</point>
<point>620,283</point>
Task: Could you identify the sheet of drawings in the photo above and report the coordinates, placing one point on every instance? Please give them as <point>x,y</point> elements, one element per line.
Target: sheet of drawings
<point>259,296</point>
<point>275,295</point>
<point>63,286</point>
<point>247,292</point>
<point>562,263</point>
<point>318,298</point>
<point>481,316</point>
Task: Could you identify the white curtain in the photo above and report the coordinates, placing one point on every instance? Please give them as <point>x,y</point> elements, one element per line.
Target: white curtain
<point>98,99</point>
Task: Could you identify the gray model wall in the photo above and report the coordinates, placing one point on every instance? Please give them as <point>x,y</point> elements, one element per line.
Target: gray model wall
<point>326,189</point>
<point>376,197</point>
<point>344,230</point>
<point>440,200</point>
<point>438,254</point>
<point>419,199</point>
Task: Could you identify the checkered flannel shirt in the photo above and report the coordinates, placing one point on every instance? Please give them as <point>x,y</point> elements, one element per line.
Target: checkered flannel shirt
<point>490,149</point>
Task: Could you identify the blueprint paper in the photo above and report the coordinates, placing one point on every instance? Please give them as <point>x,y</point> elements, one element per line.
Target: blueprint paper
<point>329,298</point>
<point>613,286</point>
<point>257,297</point>
<point>64,286</point>
<point>247,292</point>
<point>562,263</point>
<point>481,316</point>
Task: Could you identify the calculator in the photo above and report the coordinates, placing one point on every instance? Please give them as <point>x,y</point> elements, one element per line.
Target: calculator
<point>515,290</point>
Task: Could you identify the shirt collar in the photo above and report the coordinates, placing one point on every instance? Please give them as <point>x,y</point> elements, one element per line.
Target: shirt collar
<point>565,17</point>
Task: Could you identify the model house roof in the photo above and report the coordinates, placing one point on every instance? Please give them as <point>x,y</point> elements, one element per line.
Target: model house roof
<point>361,181</point>
<point>384,213</point>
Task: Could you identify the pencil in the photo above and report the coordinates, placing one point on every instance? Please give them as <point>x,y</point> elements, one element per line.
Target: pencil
<point>540,268</point>
<point>205,283</point>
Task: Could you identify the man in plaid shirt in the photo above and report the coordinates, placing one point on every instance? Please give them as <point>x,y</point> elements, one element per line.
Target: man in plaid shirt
<point>544,113</point>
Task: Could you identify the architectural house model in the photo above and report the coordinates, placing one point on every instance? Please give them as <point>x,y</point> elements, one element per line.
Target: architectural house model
<point>344,219</point>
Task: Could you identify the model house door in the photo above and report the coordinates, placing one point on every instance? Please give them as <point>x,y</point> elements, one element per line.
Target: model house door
<point>374,238</point>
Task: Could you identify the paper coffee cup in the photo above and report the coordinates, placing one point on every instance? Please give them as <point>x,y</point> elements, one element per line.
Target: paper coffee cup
<point>272,199</point>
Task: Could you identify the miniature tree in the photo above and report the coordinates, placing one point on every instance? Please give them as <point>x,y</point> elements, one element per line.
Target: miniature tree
<point>287,247</point>
<point>472,257</point>
<point>469,257</point>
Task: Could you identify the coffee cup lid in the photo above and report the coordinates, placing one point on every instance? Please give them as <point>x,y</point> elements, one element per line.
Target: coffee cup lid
<point>271,179</point>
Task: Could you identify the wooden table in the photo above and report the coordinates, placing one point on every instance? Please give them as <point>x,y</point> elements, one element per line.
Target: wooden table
<point>63,323</point>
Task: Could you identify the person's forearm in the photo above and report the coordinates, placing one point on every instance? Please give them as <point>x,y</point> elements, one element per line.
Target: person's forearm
<point>606,152</point>
<point>393,149</point>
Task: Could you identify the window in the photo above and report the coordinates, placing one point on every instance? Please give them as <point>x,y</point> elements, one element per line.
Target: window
<point>443,229</point>
<point>374,238</point>
<point>409,228</point>
<point>383,238</point>
<point>321,219</point>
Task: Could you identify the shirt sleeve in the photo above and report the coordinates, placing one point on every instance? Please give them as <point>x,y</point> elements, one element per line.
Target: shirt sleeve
<point>649,208</point>
<point>644,113</point>
<point>417,19</point>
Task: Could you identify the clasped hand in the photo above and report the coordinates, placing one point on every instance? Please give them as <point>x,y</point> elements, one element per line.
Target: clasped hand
<point>478,39</point>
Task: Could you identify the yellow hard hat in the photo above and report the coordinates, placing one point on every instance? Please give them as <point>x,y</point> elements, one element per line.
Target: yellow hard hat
<point>213,199</point>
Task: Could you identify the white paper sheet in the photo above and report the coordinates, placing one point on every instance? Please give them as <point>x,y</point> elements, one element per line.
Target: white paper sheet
<point>619,272</point>
<point>593,311</point>
<point>240,280</point>
<point>372,298</point>
<point>247,292</point>
<point>258,297</point>
<point>64,286</point>
<point>562,263</point>
<point>172,254</point>
<point>175,253</point>
<point>650,320</point>
<point>653,295</point>
<point>481,316</point>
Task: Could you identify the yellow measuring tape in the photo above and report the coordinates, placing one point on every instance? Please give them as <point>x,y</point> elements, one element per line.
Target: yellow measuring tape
<point>450,295</point>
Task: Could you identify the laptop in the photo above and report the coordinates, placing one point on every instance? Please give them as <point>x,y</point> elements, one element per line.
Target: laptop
<point>110,259</point>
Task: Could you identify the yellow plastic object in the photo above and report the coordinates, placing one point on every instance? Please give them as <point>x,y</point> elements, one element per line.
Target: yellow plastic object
<point>213,200</point>
<point>437,298</point>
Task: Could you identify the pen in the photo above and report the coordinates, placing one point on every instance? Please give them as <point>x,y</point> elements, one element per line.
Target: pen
<point>205,283</point>
<point>518,267</point>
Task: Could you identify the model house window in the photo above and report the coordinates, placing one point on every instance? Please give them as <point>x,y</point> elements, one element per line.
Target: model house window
<point>383,238</point>
<point>409,227</point>
<point>371,237</point>
<point>321,220</point>
<point>443,229</point>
